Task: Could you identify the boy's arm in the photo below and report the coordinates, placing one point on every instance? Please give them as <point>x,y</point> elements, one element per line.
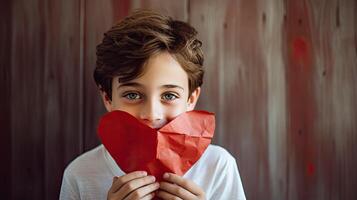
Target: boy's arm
<point>68,189</point>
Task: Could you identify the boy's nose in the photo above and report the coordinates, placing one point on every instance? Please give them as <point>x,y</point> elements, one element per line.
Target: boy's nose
<point>151,114</point>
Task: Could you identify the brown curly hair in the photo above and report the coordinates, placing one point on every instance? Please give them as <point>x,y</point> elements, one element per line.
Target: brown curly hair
<point>130,43</point>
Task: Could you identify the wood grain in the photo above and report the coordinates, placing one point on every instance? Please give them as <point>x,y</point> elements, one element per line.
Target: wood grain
<point>5,100</point>
<point>280,76</point>
<point>236,85</point>
<point>45,96</point>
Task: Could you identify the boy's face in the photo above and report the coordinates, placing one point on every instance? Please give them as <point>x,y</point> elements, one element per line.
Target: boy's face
<point>157,96</point>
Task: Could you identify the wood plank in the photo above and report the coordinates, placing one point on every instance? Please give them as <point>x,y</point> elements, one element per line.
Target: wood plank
<point>5,100</point>
<point>271,36</point>
<point>333,32</point>
<point>176,9</point>
<point>45,77</point>
<point>235,85</point>
<point>27,100</point>
<point>63,79</point>
<point>300,101</point>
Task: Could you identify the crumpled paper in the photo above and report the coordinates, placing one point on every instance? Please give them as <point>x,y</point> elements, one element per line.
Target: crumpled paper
<point>173,148</point>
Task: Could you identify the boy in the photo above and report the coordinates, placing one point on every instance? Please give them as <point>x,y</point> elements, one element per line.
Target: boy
<point>150,66</point>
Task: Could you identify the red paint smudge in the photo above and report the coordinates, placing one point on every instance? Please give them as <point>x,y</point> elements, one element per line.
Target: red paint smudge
<point>300,49</point>
<point>310,169</point>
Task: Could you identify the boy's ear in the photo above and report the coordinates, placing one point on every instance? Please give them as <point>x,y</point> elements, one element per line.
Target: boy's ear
<point>192,100</point>
<point>106,101</point>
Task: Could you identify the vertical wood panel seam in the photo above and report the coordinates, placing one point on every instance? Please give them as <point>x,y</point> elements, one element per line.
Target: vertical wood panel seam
<point>188,11</point>
<point>355,28</point>
<point>81,74</point>
<point>8,103</point>
<point>287,138</point>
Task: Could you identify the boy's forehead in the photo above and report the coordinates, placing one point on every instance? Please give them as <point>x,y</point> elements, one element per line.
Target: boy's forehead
<point>161,70</point>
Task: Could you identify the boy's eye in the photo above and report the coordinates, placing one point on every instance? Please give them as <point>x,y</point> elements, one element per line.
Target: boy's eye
<point>169,97</point>
<point>132,96</point>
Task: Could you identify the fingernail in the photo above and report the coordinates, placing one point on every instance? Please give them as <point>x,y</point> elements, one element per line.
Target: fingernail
<point>152,178</point>
<point>166,175</point>
<point>144,173</point>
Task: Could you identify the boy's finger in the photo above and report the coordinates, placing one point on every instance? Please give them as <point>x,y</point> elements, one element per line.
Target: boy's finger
<point>134,185</point>
<point>120,181</point>
<point>185,183</point>
<point>176,190</point>
<point>165,195</point>
<point>148,197</point>
<point>143,192</point>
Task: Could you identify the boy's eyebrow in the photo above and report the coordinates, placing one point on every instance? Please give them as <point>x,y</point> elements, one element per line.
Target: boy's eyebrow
<point>172,86</point>
<point>135,84</point>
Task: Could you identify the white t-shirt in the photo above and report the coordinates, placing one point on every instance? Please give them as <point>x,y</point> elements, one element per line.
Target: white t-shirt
<point>90,175</point>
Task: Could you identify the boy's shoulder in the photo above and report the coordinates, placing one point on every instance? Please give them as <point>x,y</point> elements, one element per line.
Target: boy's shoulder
<point>216,152</point>
<point>217,156</point>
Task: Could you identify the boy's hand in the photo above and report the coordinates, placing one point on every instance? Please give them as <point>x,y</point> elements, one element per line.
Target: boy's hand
<point>135,185</point>
<point>176,187</point>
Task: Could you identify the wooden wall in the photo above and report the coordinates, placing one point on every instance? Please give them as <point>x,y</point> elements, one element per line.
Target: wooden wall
<point>280,76</point>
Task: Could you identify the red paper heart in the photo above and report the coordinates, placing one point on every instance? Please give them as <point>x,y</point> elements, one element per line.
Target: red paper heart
<point>173,148</point>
